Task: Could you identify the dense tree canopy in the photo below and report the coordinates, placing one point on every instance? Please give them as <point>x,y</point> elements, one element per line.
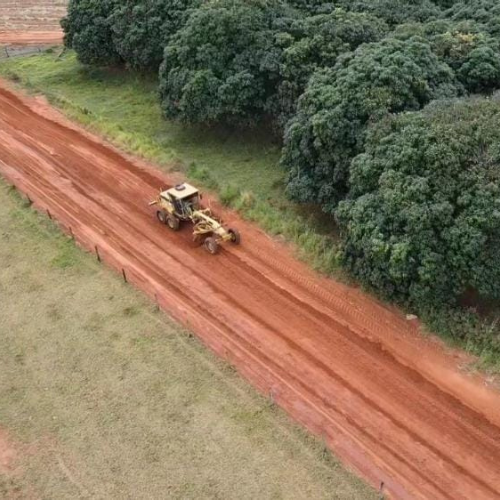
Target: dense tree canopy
<point>329,129</point>
<point>472,53</point>
<point>87,29</point>
<point>423,219</point>
<point>486,12</point>
<point>142,29</point>
<point>483,11</point>
<point>395,11</point>
<point>315,42</point>
<point>311,7</point>
<point>223,65</point>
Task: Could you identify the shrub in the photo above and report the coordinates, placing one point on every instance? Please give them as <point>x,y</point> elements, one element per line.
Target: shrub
<point>223,65</point>
<point>329,129</point>
<point>229,194</point>
<point>423,221</point>
<point>466,327</point>
<point>87,29</point>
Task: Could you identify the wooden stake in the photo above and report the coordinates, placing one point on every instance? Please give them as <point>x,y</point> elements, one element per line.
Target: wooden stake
<point>381,491</point>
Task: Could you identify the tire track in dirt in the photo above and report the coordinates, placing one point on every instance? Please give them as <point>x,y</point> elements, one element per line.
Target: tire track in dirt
<point>339,362</point>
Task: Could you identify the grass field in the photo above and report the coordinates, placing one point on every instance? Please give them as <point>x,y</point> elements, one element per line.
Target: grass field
<point>242,167</point>
<point>103,397</point>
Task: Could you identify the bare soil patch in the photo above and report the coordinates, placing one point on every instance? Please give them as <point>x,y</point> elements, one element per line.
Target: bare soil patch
<point>8,453</point>
<point>29,22</point>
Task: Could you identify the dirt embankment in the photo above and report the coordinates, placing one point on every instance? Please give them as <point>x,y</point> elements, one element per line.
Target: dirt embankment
<point>389,402</point>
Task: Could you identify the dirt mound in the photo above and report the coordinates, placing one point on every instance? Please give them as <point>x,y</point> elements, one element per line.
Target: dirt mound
<point>390,403</point>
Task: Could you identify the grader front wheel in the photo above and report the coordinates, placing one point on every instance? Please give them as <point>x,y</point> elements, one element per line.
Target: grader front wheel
<point>161,216</point>
<point>211,245</point>
<point>173,222</point>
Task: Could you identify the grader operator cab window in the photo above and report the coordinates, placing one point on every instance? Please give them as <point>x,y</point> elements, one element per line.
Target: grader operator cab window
<point>191,204</point>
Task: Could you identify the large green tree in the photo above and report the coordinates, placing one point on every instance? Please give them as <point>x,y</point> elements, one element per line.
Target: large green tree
<point>87,30</point>
<point>142,29</point>
<point>423,220</point>
<point>223,65</point>
<point>330,126</point>
<point>315,42</point>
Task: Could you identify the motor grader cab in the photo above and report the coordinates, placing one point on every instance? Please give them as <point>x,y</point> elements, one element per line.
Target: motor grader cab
<point>183,203</point>
<point>178,203</point>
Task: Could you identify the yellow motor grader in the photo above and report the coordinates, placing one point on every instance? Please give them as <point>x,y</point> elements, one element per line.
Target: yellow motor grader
<point>182,203</point>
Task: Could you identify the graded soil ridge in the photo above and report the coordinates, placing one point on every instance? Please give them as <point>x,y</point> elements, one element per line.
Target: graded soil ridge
<point>391,404</point>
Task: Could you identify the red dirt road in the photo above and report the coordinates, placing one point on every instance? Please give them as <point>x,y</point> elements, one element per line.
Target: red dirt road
<point>389,402</point>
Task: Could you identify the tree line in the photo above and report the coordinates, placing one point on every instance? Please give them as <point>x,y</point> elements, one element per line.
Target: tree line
<point>388,111</point>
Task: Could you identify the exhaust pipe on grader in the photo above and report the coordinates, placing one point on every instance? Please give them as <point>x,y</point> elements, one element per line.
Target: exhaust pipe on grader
<point>182,203</point>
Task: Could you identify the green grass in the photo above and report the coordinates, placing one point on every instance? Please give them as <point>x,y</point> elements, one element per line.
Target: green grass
<point>240,166</point>
<point>101,396</point>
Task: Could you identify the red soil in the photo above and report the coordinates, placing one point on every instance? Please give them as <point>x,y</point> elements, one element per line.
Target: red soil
<point>7,453</point>
<point>392,404</point>
<point>31,37</point>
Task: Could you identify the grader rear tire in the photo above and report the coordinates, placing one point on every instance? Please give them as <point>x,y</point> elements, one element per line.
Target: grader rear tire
<point>211,245</point>
<point>173,222</point>
<point>235,236</point>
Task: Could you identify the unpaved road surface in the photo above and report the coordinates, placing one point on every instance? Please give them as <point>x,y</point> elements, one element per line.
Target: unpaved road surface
<point>389,402</point>
<point>31,22</point>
